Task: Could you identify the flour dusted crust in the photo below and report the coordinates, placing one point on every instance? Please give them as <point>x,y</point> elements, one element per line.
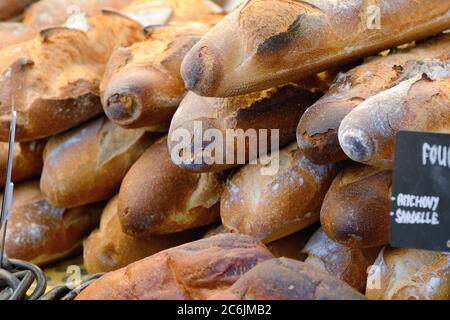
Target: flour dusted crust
<point>54,79</point>
<point>194,270</point>
<point>42,234</point>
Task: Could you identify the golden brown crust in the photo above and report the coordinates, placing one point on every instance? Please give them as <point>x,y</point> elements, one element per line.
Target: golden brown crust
<point>194,270</point>
<point>418,102</point>
<point>109,248</point>
<point>27,161</point>
<point>317,132</point>
<point>347,264</point>
<point>142,85</point>
<point>269,207</point>
<point>87,164</point>
<point>54,78</point>
<point>157,197</point>
<point>287,279</point>
<point>276,108</point>
<point>410,274</point>
<point>15,32</point>
<point>42,234</point>
<point>355,212</point>
<point>265,43</point>
<point>11,8</point>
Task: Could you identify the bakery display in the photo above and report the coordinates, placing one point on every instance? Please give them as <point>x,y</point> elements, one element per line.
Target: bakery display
<point>224,150</point>
<point>317,132</point>
<point>157,197</point>
<point>269,207</point>
<point>41,233</point>
<point>196,270</point>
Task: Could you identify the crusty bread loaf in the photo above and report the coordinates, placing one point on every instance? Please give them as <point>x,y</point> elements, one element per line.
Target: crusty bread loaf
<point>15,32</point>
<point>276,108</point>
<point>12,8</point>
<point>27,161</point>
<point>287,279</point>
<point>288,247</point>
<point>54,79</point>
<point>42,234</point>
<point>87,164</point>
<point>355,212</point>
<point>270,207</point>
<point>194,270</point>
<point>142,85</point>
<point>266,43</point>
<point>109,248</point>
<point>157,197</point>
<point>317,132</point>
<point>419,101</point>
<point>347,264</point>
<point>410,274</point>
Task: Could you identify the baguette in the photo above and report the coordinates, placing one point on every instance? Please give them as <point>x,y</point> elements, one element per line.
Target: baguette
<point>317,132</point>
<point>157,197</point>
<point>287,279</point>
<point>288,247</point>
<point>277,108</point>
<point>266,43</point>
<point>355,212</point>
<point>109,248</point>
<point>42,234</point>
<point>270,207</point>
<point>194,270</point>
<point>142,85</point>
<point>347,264</point>
<point>87,164</point>
<point>54,78</point>
<point>410,274</point>
<point>418,102</point>
<point>12,8</point>
<point>27,160</point>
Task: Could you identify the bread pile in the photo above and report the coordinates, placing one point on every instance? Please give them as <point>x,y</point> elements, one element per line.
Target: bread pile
<point>104,95</point>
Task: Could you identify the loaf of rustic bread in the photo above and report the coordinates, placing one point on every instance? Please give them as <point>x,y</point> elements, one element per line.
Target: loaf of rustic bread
<point>11,8</point>
<point>142,85</point>
<point>42,234</point>
<point>409,274</point>
<point>355,212</point>
<point>347,264</point>
<point>194,270</point>
<point>270,207</point>
<point>27,161</point>
<point>87,164</point>
<point>157,197</point>
<point>290,246</point>
<point>255,115</point>
<point>266,43</point>
<point>317,132</point>
<point>419,101</point>
<point>54,79</point>
<point>109,248</point>
<point>287,279</point>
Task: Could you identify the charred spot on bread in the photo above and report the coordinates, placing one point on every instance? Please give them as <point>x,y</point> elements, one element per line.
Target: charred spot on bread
<point>282,39</point>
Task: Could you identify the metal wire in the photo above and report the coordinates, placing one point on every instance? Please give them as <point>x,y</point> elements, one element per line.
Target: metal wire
<point>16,278</point>
<point>66,293</point>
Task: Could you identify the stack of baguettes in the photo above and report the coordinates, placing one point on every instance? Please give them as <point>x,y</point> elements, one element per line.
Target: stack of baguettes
<point>104,89</point>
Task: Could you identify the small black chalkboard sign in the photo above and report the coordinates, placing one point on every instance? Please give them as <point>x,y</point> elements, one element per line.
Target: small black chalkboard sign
<point>420,209</point>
